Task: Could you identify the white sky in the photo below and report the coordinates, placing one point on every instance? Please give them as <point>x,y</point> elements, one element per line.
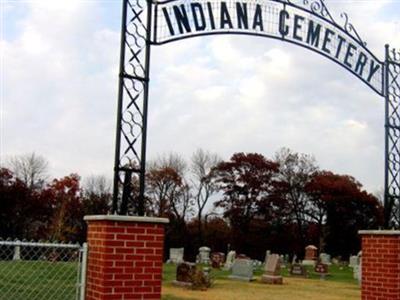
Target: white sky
<point>59,75</point>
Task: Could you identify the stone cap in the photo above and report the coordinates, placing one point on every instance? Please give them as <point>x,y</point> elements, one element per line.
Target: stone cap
<point>379,232</point>
<point>311,247</point>
<point>120,218</point>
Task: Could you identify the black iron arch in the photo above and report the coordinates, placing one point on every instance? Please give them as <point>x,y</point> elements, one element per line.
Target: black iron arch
<point>311,27</point>
<point>307,23</point>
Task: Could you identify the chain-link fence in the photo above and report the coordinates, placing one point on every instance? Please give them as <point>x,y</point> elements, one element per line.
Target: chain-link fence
<point>33,271</point>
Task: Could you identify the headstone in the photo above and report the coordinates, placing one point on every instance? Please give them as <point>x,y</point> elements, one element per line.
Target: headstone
<point>282,261</point>
<point>357,270</point>
<point>294,260</point>
<point>353,261</point>
<point>230,258</point>
<point>256,264</point>
<point>267,253</point>
<point>286,259</point>
<point>311,256</point>
<point>325,258</point>
<point>204,255</point>
<point>242,269</point>
<point>272,270</point>
<point>176,255</point>
<point>298,270</point>
<point>242,256</point>
<point>321,269</point>
<point>335,261</point>
<point>217,259</point>
<point>184,274</point>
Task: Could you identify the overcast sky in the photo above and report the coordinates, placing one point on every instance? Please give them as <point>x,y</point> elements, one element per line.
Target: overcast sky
<point>59,75</point>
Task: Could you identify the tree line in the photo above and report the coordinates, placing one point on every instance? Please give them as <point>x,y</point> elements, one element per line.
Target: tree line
<point>248,203</point>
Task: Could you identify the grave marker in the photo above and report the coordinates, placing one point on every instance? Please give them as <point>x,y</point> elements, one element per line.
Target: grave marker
<point>272,270</point>
<point>242,269</point>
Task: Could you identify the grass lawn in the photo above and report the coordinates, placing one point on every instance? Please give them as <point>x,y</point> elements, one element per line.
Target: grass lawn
<point>24,280</point>
<point>339,286</point>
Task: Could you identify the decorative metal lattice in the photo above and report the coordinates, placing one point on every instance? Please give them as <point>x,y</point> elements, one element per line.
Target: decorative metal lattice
<point>130,154</point>
<point>392,168</point>
<point>307,23</point>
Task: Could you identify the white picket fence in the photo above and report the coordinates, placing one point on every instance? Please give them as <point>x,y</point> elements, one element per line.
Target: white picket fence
<point>42,270</point>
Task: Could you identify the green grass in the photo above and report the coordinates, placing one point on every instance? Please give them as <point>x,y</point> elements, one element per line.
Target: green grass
<point>339,285</point>
<point>25,280</point>
<point>337,273</point>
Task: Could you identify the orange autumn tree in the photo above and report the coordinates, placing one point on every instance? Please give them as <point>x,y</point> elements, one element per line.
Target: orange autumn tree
<point>67,221</point>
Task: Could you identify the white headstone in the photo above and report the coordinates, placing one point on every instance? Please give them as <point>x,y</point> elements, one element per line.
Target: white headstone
<point>325,258</point>
<point>230,259</point>
<point>267,253</point>
<point>176,255</point>
<point>353,261</point>
<point>204,255</point>
<point>242,269</point>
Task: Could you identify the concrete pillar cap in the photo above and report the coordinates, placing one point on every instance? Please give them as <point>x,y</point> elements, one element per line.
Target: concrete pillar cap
<point>120,218</point>
<point>379,232</point>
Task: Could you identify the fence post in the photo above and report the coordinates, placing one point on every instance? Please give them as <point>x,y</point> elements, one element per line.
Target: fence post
<point>125,257</point>
<point>83,271</point>
<point>17,252</point>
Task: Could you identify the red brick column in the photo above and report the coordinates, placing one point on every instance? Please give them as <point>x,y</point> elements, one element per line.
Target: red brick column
<point>380,265</point>
<point>125,257</point>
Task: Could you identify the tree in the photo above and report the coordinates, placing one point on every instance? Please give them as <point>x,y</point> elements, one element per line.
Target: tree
<point>163,187</point>
<point>202,162</point>
<point>67,221</point>
<point>247,182</point>
<point>97,195</point>
<point>24,213</point>
<point>295,172</point>
<point>340,208</point>
<point>32,169</point>
<point>166,188</point>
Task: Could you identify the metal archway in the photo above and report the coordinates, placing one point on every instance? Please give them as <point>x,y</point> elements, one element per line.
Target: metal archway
<point>307,23</point>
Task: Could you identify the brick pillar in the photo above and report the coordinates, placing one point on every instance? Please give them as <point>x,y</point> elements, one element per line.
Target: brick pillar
<point>380,265</point>
<point>125,257</point>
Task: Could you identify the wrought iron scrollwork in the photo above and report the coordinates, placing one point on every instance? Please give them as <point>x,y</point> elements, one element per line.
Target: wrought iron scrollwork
<point>318,7</point>
<point>392,178</point>
<point>350,29</point>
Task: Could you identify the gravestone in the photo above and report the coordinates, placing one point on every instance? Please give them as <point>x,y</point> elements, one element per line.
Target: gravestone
<point>311,256</point>
<point>242,269</point>
<point>272,270</point>
<point>217,259</point>
<point>176,255</point>
<point>294,259</point>
<point>335,261</point>
<point>204,255</point>
<point>325,258</point>
<point>298,270</point>
<point>322,269</point>
<point>282,261</point>
<point>242,256</point>
<point>230,258</point>
<point>357,270</point>
<point>267,253</point>
<point>184,274</point>
<point>256,263</point>
<point>286,259</point>
<point>353,261</point>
